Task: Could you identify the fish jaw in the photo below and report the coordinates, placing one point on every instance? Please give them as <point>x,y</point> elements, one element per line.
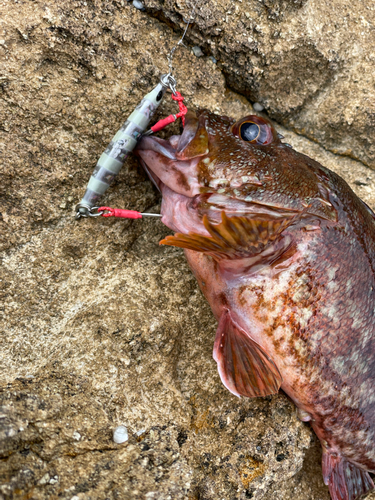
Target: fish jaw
<point>174,162</point>
<point>179,176</point>
<point>172,165</point>
<point>179,214</point>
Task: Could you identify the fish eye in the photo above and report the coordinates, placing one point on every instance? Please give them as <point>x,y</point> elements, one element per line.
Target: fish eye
<point>255,130</point>
<point>249,131</point>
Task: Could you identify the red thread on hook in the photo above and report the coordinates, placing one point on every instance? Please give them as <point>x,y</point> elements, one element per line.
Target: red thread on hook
<point>118,212</point>
<point>163,123</point>
<point>183,109</point>
<point>171,118</point>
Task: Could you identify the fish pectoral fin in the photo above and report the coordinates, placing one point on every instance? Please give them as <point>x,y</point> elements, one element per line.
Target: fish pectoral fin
<point>345,480</point>
<point>234,237</point>
<point>244,367</point>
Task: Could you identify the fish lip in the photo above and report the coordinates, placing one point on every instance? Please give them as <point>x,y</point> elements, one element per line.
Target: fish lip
<point>152,176</point>
<point>164,146</point>
<point>163,157</point>
<point>161,146</point>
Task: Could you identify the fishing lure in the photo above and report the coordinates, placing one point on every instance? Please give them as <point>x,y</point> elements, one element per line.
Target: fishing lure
<point>126,139</point>
<point>122,144</point>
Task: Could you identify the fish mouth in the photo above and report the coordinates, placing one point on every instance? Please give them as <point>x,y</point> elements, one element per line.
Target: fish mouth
<point>175,148</point>
<point>171,165</point>
<point>173,162</point>
<point>161,146</point>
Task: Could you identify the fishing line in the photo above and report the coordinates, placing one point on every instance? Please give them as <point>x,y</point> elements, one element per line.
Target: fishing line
<point>180,42</point>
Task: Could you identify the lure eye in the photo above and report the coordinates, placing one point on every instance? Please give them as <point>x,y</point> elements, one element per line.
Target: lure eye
<point>255,130</point>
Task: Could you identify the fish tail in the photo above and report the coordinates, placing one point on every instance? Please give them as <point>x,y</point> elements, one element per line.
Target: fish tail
<point>344,480</point>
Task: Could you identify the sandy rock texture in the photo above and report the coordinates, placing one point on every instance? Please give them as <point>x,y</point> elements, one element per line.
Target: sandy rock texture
<point>100,326</point>
<point>308,62</point>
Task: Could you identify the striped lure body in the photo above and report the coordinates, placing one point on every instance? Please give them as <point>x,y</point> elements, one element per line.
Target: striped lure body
<point>122,144</point>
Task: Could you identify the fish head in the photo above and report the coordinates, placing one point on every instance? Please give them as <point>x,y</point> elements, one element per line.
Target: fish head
<point>238,167</point>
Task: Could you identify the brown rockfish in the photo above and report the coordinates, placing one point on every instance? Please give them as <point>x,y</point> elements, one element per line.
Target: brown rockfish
<point>284,252</point>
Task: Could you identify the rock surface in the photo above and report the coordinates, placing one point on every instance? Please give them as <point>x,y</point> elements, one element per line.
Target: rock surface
<point>308,62</point>
<point>101,327</point>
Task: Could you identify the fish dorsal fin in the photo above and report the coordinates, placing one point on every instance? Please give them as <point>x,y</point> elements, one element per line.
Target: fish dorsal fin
<point>244,367</point>
<point>234,237</point>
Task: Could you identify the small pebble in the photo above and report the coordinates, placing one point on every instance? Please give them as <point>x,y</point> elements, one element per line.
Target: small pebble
<point>258,107</point>
<point>140,434</point>
<point>213,59</point>
<point>76,435</point>
<point>120,434</point>
<point>138,5</point>
<point>45,479</point>
<point>197,51</point>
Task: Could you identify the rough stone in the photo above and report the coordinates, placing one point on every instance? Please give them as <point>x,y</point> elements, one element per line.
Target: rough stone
<point>309,63</point>
<point>100,326</point>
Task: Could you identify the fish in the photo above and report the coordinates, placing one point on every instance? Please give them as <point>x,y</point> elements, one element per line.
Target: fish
<point>284,252</point>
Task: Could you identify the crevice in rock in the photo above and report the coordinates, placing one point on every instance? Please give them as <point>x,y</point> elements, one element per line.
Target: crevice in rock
<point>188,42</point>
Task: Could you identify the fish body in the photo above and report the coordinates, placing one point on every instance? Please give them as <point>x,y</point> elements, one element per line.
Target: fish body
<point>284,252</point>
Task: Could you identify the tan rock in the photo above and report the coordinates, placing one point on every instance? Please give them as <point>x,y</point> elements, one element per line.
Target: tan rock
<point>101,327</point>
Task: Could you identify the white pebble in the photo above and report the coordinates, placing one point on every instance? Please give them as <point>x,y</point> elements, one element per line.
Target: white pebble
<point>258,107</point>
<point>44,479</point>
<point>138,4</point>
<point>76,435</point>
<point>120,434</point>
<point>197,51</point>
